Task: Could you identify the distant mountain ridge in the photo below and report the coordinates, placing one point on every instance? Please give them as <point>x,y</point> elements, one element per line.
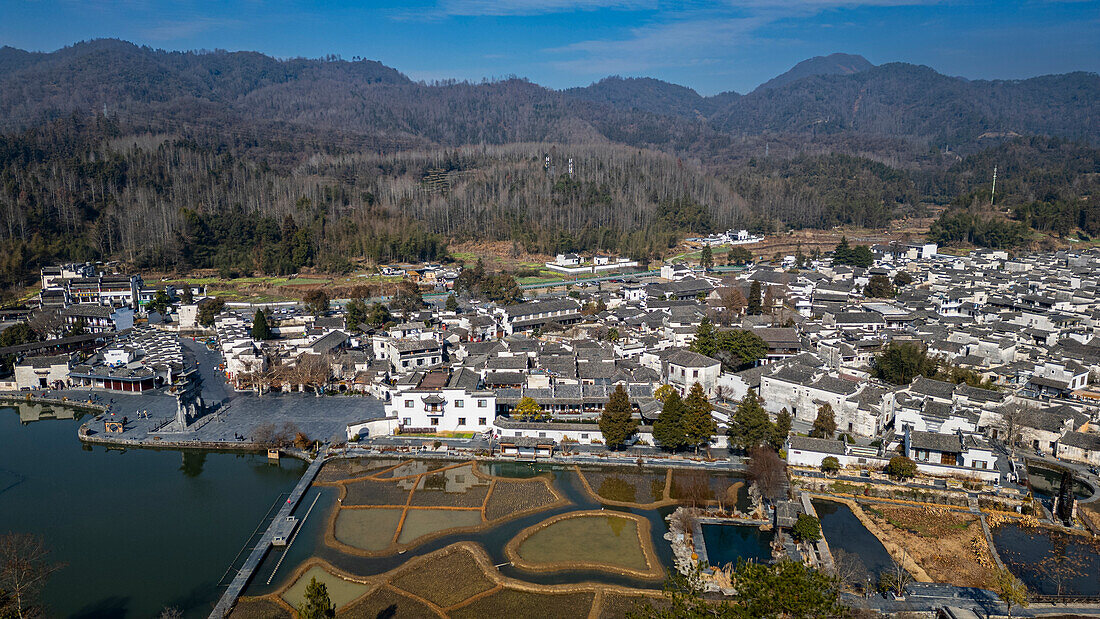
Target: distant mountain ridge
<point>840,95</point>
<point>833,64</point>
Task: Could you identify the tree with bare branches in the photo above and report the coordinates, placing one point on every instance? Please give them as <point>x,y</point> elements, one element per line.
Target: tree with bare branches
<point>311,371</point>
<point>25,567</point>
<point>1013,416</point>
<point>767,471</point>
<point>47,323</point>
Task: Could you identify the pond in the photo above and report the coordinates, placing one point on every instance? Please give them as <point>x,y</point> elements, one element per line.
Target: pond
<point>1046,482</point>
<point>1050,562</point>
<point>844,532</point>
<point>139,530</point>
<point>728,543</point>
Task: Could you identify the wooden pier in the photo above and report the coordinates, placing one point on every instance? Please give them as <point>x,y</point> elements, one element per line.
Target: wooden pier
<point>256,557</point>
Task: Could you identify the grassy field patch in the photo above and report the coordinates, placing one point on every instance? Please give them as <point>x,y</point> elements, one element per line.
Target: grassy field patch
<point>340,591</point>
<point>514,603</point>
<point>388,603</point>
<point>258,609</point>
<point>461,573</point>
<point>421,522</point>
<point>591,539</point>
<point>511,497</point>
<point>369,529</point>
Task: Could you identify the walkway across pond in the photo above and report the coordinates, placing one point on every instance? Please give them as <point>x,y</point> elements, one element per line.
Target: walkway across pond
<point>256,557</point>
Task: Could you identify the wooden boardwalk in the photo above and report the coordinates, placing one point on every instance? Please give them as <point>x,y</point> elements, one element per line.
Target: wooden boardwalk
<point>256,557</point>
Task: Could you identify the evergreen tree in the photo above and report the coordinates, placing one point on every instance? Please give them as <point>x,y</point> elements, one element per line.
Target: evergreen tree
<point>782,429</point>
<point>188,296</point>
<point>750,426</point>
<point>316,604</point>
<point>879,287</point>
<point>706,257</point>
<point>451,304</point>
<point>755,305</point>
<point>669,427</point>
<point>901,362</point>
<point>699,424</point>
<point>160,301</point>
<point>705,342</point>
<point>842,253</point>
<point>825,422</point>
<point>260,329</point>
<point>617,422</point>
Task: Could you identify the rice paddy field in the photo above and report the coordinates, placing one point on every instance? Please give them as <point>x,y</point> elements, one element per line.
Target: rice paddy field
<point>437,538</point>
<point>588,539</point>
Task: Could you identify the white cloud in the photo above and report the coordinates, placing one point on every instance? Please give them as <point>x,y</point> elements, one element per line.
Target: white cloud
<point>696,36</point>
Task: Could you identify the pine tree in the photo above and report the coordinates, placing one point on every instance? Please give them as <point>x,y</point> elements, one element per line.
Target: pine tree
<point>669,427</point>
<point>706,257</point>
<point>452,303</point>
<point>705,342</point>
<point>755,305</point>
<point>616,422</point>
<point>782,429</point>
<point>316,604</point>
<point>825,422</point>
<point>751,426</point>
<point>260,328</point>
<point>699,424</point>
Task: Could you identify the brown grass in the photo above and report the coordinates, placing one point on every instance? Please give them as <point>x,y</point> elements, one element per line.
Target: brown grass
<point>510,497</point>
<point>258,608</point>
<point>447,580</point>
<point>948,544</point>
<point>387,602</point>
<point>516,603</point>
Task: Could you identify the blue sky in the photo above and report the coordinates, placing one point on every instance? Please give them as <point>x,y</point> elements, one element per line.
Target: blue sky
<point>711,46</point>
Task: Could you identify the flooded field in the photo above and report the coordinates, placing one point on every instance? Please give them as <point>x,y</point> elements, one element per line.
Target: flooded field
<point>416,524</point>
<point>1050,562</point>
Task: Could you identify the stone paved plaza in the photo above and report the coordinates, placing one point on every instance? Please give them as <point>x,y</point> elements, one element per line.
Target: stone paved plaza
<point>236,414</point>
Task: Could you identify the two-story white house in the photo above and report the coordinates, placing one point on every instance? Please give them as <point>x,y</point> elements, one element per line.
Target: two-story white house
<point>442,401</point>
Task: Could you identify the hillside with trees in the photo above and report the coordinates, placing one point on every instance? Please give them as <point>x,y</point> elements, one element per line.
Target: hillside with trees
<point>247,164</point>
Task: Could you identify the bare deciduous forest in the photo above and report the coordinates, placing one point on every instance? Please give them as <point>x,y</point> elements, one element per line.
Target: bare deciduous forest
<point>247,164</point>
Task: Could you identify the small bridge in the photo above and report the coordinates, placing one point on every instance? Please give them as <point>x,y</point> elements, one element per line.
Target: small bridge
<point>256,557</point>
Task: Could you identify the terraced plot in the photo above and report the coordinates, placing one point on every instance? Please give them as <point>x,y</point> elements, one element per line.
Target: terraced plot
<point>629,488</point>
<point>369,529</point>
<point>458,569</point>
<point>515,603</point>
<point>340,591</point>
<point>509,497</point>
<point>580,540</point>
<point>423,522</point>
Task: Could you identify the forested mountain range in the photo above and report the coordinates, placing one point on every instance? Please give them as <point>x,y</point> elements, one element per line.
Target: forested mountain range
<point>836,94</point>
<point>245,163</point>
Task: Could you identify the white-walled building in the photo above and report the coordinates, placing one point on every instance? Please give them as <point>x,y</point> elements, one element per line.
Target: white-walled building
<point>441,401</point>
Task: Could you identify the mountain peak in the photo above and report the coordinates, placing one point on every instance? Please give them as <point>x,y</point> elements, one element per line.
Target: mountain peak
<point>833,64</point>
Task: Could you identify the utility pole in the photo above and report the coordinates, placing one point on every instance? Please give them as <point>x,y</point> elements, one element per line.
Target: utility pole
<point>993,191</point>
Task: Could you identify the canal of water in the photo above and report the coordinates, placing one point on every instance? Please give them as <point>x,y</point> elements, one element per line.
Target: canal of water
<point>846,534</point>
<point>139,530</point>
